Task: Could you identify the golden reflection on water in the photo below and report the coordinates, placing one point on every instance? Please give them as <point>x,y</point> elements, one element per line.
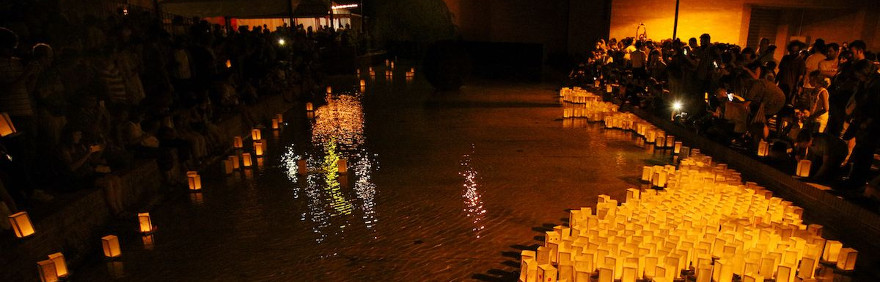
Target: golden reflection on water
<point>472,199</point>
<point>337,133</point>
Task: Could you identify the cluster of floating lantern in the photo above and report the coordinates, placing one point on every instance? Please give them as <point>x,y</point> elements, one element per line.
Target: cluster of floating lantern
<point>705,225</point>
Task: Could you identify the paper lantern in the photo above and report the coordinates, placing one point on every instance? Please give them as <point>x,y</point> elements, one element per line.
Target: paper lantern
<point>670,141</point>
<point>363,83</point>
<point>343,165</point>
<point>677,147</point>
<point>803,168</point>
<point>546,272</point>
<point>388,73</point>
<point>847,259</point>
<point>256,135</point>
<point>274,123</point>
<point>763,148</point>
<point>392,65</point>
<point>60,264</point>
<point>807,268</point>
<point>6,127</point>
<point>785,274</point>
<point>235,163</point>
<point>194,180</point>
<point>110,243</point>
<point>258,148</point>
<point>358,72</point>
<point>145,222</point>
<point>659,142</point>
<point>329,90</point>
<point>309,107</point>
<point>301,167</point>
<point>246,160</point>
<point>21,224</point>
<point>228,64</point>
<point>608,88</point>
<point>47,270</point>
<point>280,118</point>
<point>647,173</point>
<point>237,142</point>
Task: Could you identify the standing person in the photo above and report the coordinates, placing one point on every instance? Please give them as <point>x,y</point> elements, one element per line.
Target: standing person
<point>638,61</point>
<point>791,70</point>
<point>813,102</point>
<point>865,126</point>
<point>14,77</point>
<point>765,52</point>
<point>844,86</point>
<point>828,66</point>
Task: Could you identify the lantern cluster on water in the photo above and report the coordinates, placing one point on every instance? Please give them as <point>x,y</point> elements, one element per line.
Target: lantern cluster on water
<point>705,220</point>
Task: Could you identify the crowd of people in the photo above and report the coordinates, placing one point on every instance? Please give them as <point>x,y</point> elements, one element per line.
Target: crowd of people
<point>92,96</point>
<point>818,102</point>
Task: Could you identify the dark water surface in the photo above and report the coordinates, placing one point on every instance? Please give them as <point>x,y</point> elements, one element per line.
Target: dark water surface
<point>439,187</point>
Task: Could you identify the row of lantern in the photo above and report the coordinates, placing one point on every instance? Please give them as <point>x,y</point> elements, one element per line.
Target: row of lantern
<point>803,166</point>
<point>388,72</point>
<point>705,219</point>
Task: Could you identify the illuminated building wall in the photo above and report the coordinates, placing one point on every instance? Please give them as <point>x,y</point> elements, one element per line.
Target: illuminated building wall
<point>729,20</point>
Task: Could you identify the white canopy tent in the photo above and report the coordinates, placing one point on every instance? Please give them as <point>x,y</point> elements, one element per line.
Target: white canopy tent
<point>246,8</point>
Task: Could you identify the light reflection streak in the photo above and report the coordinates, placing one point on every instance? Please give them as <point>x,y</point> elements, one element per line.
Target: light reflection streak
<point>472,199</point>
<point>337,133</point>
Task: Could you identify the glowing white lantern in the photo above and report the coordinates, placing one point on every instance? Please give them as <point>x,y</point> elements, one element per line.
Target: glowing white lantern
<point>763,148</point>
<point>258,148</point>
<point>256,135</point>
<point>363,83</point>
<point>145,223</point>
<point>329,90</point>
<point>343,165</point>
<point>246,159</point>
<point>302,167</point>
<point>6,127</point>
<point>847,259</point>
<point>194,180</point>
<point>807,268</point>
<point>60,264</point>
<point>235,162</point>
<point>21,224</point>
<point>237,142</point>
<point>546,272</point>
<point>309,107</point>
<point>110,243</point>
<point>803,168</point>
<point>677,147</point>
<point>647,173</point>
<point>670,141</point>
<point>47,271</point>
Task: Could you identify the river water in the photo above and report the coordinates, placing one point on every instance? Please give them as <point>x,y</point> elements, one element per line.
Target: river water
<point>440,187</point>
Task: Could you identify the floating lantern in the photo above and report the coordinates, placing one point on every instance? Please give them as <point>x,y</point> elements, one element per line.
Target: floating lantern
<point>110,243</point>
<point>228,64</point>
<point>246,159</point>
<point>145,222</point>
<point>6,127</point>
<point>763,148</point>
<point>275,124</point>
<point>647,173</point>
<point>363,83</point>
<point>392,65</point>
<point>60,264</point>
<point>194,180</point>
<point>258,148</point>
<point>387,62</point>
<point>280,118</point>
<point>670,141</point>
<point>807,268</point>
<point>659,142</point>
<point>846,260</point>
<point>21,224</point>
<point>608,88</point>
<point>329,90</point>
<point>256,135</point>
<point>358,71</point>
<point>343,165</point>
<point>235,163</point>
<point>47,270</point>
<point>677,147</point>
<point>309,107</point>
<point>237,142</point>
<point>388,73</point>
<point>302,167</point>
<point>803,168</point>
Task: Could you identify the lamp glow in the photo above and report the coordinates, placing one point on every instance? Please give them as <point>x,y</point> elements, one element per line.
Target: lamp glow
<point>110,244</point>
<point>60,264</point>
<point>145,222</point>
<point>21,224</point>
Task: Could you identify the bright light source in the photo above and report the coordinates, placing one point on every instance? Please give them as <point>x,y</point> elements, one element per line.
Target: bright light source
<point>347,6</point>
<point>281,42</point>
<point>676,106</point>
